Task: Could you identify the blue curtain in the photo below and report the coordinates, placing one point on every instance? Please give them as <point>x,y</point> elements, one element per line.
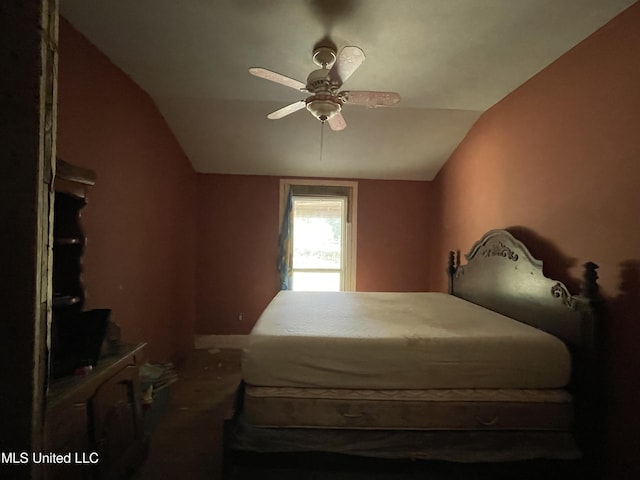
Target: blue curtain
<point>285,243</point>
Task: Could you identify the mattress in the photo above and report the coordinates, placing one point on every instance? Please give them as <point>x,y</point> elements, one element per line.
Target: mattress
<point>442,409</point>
<point>387,341</point>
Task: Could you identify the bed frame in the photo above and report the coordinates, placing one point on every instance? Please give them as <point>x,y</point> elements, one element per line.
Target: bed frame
<point>501,274</point>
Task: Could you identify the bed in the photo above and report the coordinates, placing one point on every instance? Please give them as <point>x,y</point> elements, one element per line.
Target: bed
<point>502,368</point>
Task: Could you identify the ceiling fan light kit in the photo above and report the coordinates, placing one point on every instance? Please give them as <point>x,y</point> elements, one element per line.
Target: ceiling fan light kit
<point>326,100</point>
<point>323,109</point>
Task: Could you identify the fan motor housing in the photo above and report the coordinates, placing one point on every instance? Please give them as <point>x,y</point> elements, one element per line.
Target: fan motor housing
<point>318,81</point>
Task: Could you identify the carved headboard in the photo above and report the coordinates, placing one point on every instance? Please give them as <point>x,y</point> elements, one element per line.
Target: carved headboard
<point>502,275</point>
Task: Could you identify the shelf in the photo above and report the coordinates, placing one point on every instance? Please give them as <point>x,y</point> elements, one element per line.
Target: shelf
<point>62,241</point>
<point>73,180</point>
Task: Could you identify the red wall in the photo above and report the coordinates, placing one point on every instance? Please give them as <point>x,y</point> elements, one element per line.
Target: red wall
<point>237,251</point>
<point>560,159</point>
<point>394,236</point>
<point>140,217</point>
<point>238,237</point>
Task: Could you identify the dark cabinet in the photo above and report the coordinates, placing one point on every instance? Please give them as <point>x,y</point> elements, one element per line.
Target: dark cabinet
<point>93,404</point>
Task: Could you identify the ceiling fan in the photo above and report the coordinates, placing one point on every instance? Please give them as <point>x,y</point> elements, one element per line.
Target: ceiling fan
<point>326,100</point>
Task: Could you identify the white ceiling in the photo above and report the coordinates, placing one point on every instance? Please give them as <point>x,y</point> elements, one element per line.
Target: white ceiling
<point>450,60</point>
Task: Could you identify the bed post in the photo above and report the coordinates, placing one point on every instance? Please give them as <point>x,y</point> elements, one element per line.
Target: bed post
<point>451,270</point>
<point>590,288</point>
<point>591,384</point>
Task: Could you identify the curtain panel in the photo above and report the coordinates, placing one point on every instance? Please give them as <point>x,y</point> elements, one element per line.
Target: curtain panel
<point>285,245</point>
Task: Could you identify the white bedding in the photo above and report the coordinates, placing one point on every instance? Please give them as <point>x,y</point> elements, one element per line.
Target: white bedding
<point>397,341</point>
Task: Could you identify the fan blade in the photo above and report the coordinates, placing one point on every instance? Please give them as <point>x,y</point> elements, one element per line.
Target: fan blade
<point>370,99</point>
<point>337,122</point>
<point>349,59</point>
<point>278,78</point>
<point>284,111</point>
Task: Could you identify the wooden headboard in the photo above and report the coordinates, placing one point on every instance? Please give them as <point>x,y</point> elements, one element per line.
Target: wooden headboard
<point>502,275</point>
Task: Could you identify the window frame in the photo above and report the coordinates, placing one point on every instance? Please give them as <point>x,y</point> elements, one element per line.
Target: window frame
<point>350,233</point>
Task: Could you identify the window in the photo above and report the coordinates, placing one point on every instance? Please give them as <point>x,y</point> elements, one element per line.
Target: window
<point>321,231</point>
<point>318,243</point>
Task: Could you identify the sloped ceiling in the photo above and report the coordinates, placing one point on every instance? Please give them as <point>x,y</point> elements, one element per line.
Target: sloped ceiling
<point>449,60</point>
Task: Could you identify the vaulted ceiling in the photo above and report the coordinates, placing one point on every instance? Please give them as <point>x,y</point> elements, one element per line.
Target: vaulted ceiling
<point>449,60</point>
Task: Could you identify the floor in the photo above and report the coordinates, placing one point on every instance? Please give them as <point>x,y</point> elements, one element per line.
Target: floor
<point>186,444</point>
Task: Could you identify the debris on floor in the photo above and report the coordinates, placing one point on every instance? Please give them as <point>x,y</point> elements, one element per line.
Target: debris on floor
<point>155,378</point>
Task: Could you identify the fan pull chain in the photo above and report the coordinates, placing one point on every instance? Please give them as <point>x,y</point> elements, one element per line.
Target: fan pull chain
<point>321,138</point>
